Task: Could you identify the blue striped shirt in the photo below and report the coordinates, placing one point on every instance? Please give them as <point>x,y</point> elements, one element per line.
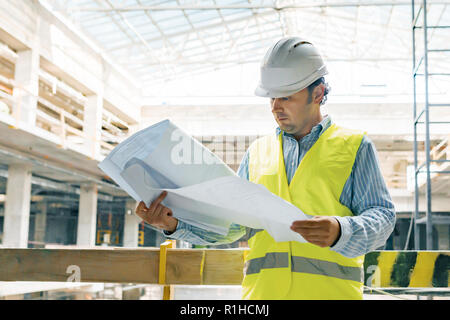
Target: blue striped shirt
<point>364,193</point>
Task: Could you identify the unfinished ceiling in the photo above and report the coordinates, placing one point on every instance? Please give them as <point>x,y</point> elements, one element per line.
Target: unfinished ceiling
<point>367,45</point>
<point>160,41</point>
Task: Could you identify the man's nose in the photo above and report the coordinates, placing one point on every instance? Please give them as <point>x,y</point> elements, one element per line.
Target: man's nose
<point>275,104</point>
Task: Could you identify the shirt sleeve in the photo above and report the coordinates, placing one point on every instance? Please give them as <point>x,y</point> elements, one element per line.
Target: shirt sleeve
<point>198,236</point>
<point>366,195</point>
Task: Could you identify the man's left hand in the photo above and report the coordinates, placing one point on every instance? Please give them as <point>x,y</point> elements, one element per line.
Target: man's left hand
<point>322,231</point>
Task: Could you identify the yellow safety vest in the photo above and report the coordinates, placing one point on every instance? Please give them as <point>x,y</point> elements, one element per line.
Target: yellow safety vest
<point>294,270</point>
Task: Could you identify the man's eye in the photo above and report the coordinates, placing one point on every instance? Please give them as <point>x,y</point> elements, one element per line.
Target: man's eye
<point>284,99</point>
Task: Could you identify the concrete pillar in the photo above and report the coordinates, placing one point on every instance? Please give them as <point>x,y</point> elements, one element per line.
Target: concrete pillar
<point>26,75</point>
<point>87,215</point>
<point>131,228</point>
<point>92,126</point>
<point>40,222</point>
<point>17,206</point>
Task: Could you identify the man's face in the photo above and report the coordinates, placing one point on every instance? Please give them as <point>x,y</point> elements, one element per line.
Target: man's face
<point>294,113</point>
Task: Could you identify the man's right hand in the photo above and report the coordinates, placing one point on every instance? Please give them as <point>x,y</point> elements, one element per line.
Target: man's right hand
<point>157,215</point>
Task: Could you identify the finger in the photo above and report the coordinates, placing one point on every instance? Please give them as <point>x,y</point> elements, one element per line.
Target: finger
<point>310,232</point>
<point>156,214</point>
<point>141,212</point>
<point>306,224</point>
<point>314,238</point>
<point>158,200</point>
<point>167,211</point>
<point>140,206</point>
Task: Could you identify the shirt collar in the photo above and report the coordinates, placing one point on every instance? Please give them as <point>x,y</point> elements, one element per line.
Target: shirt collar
<point>319,128</point>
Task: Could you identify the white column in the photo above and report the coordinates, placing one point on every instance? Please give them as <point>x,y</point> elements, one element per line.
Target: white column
<point>17,206</point>
<point>40,222</point>
<point>93,124</point>
<point>26,75</point>
<point>131,228</point>
<point>87,215</point>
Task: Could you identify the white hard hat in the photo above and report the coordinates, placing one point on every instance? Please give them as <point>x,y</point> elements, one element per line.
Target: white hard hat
<point>290,65</point>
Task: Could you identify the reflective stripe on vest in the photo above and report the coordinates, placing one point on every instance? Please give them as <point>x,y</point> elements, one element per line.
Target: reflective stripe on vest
<point>305,265</point>
<point>327,268</point>
<point>269,261</point>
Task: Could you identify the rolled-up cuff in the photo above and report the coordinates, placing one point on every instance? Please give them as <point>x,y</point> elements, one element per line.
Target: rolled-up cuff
<point>346,233</point>
<point>179,231</point>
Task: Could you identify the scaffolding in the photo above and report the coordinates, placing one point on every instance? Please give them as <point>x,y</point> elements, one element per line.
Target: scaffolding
<point>435,165</point>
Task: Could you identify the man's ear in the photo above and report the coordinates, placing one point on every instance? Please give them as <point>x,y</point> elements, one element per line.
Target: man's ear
<point>318,93</point>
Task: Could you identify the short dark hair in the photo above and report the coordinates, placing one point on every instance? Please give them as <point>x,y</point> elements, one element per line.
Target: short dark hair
<point>313,85</point>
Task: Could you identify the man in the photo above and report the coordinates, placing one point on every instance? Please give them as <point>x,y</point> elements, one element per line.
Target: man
<point>327,171</point>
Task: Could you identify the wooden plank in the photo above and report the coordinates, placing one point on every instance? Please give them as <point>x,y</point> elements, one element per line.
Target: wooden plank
<point>205,266</point>
<point>114,117</point>
<point>6,89</point>
<point>47,118</point>
<point>8,54</point>
<point>60,110</point>
<point>65,89</point>
<point>385,269</point>
<point>94,265</point>
<point>7,97</point>
<point>75,131</point>
<point>223,266</point>
<point>184,266</point>
<point>106,145</point>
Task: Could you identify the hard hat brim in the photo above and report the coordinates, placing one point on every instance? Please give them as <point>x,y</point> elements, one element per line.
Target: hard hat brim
<point>290,89</point>
<point>262,92</point>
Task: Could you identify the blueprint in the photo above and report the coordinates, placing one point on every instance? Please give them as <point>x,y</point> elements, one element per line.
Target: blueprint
<point>201,189</point>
